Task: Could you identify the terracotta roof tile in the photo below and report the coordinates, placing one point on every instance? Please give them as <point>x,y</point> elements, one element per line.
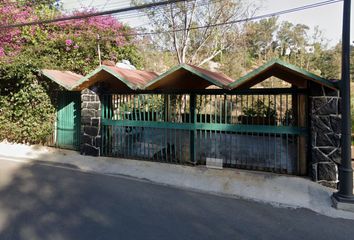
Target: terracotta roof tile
<point>218,76</point>
<point>186,76</point>
<point>136,77</point>
<point>66,79</point>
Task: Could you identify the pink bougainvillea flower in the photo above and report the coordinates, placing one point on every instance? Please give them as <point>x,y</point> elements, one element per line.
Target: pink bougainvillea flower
<point>68,42</point>
<point>2,52</point>
<point>16,39</point>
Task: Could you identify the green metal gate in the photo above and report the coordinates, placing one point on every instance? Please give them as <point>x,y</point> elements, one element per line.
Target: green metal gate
<point>68,120</point>
<point>253,129</point>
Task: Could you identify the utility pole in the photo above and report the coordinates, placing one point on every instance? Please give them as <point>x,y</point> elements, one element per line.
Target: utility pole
<point>344,199</point>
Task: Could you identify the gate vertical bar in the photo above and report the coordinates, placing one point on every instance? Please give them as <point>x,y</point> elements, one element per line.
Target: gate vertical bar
<point>192,102</point>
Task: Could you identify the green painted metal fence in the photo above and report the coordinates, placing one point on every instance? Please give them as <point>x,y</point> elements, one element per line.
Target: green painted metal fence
<point>68,120</point>
<point>246,130</point>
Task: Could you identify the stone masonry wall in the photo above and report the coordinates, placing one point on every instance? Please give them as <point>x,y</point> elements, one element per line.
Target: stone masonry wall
<point>90,123</point>
<point>325,139</point>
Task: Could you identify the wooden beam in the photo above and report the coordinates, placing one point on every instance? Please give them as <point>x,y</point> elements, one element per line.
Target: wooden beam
<point>301,121</point>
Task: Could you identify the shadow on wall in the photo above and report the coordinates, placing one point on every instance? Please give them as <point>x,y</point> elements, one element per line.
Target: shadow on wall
<point>36,205</point>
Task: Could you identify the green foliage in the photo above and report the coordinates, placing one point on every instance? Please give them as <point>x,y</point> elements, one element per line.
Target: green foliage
<point>259,109</point>
<point>27,101</point>
<point>26,110</point>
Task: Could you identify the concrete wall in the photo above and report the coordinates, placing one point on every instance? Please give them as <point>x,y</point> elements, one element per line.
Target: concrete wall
<point>325,136</point>
<point>90,123</point>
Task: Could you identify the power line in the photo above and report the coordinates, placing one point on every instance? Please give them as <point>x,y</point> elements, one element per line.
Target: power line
<point>136,14</point>
<point>159,12</point>
<point>296,9</point>
<point>97,6</point>
<point>95,14</point>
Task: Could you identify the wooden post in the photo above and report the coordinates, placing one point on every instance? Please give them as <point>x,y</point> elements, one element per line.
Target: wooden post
<point>301,145</point>
<point>166,104</point>
<point>192,103</point>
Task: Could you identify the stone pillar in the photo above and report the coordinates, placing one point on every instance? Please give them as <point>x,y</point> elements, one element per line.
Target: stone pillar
<point>90,123</point>
<point>325,139</point>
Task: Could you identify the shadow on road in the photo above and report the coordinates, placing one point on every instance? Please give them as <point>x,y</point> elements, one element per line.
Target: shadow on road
<point>44,202</point>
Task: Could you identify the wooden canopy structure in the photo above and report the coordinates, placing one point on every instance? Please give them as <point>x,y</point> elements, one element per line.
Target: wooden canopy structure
<point>66,79</point>
<point>112,77</point>
<point>186,76</point>
<point>287,72</point>
<point>127,78</point>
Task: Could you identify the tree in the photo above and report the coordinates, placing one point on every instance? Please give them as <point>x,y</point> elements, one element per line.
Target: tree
<point>71,45</point>
<point>292,39</point>
<point>195,30</point>
<point>27,103</point>
<point>260,37</point>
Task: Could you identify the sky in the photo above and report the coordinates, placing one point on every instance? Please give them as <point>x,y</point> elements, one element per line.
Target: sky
<point>328,18</point>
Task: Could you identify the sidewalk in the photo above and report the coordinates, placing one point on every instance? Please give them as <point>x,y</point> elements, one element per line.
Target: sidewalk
<point>279,190</point>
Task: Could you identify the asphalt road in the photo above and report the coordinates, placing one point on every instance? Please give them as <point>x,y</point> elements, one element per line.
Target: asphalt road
<point>46,202</point>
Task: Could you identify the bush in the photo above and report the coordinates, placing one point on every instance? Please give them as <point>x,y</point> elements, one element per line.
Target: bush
<point>27,113</point>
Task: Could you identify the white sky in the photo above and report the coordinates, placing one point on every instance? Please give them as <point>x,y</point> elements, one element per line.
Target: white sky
<point>328,18</point>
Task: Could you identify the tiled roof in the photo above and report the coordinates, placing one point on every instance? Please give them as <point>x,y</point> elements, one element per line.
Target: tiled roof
<point>136,77</point>
<point>185,76</point>
<point>282,70</point>
<point>220,77</point>
<point>65,79</point>
<point>133,79</point>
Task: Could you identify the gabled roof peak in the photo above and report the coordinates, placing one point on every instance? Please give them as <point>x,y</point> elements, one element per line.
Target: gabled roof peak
<point>204,78</point>
<point>283,70</point>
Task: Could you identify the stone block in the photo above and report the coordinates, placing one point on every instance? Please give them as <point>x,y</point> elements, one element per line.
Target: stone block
<point>91,130</point>
<point>90,150</point>
<point>321,124</point>
<point>330,184</point>
<point>318,156</point>
<point>98,141</point>
<point>327,171</point>
<point>334,139</point>
<point>322,140</point>
<point>95,121</point>
<point>88,113</point>
<point>83,105</point>
<point>326,105</point>
<point>326,150</point>
<point>335,156</point>
<point>86,91</point>
<point>314,139</point>
<point>335,122</point>
<point>85,120</point>
<point>85,97</point>
<point>86,139</point>
<point>93,105</point>
<point>317,103</point>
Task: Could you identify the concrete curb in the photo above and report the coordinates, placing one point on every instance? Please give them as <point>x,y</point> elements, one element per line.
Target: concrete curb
<point>279,190</point>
